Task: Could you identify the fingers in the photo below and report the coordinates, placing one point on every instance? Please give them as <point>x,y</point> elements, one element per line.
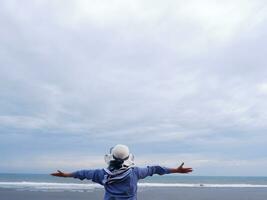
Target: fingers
<point>181,165</point>
<point>183,170</point>
<point>187,170</point>
<point>58,173</point>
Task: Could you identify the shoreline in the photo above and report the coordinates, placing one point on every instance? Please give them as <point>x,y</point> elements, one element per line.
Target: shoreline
<point>144,193</point>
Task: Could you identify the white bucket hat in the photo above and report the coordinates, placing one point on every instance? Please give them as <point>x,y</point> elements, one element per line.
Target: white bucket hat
<point>120,152</point>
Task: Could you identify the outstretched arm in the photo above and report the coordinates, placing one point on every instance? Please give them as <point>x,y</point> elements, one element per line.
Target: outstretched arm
<point>96,175</point>
<point>150,170</point>
<point>181,169</point>
<point>62,174</point>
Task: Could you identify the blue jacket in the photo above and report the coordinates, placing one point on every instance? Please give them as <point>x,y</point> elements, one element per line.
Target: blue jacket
<point>122,186</point>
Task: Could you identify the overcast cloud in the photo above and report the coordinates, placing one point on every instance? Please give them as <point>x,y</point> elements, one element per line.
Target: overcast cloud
<point>174,80</point>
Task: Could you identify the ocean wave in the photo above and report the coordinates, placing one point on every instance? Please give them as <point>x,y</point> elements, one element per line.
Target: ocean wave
<point>201,185</point>
<point>46,186</point>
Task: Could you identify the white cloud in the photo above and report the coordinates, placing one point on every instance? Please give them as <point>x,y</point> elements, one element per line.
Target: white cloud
<point>145,71</point>
<point>262,88</point>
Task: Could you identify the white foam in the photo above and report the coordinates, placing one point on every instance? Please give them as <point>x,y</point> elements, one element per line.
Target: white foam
<point>91,186</point>
<point>200,185</point>
<point>49,186</point>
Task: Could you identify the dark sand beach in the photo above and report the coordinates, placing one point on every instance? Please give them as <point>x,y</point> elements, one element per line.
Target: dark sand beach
<point>143,194</point>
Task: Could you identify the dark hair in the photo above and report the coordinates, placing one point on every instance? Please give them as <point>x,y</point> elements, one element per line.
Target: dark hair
<point>115,164</point>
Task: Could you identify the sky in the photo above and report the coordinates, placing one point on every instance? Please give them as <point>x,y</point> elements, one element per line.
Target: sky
<point>176,81</point>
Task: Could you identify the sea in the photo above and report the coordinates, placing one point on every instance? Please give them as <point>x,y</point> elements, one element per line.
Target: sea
<point>186,187</point>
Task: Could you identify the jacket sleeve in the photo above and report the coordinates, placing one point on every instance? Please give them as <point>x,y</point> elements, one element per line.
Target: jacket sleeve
<point>96,175</point>
<point>150,171</point>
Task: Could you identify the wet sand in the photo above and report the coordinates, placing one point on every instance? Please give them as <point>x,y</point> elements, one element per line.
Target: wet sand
<point>143,194</point>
